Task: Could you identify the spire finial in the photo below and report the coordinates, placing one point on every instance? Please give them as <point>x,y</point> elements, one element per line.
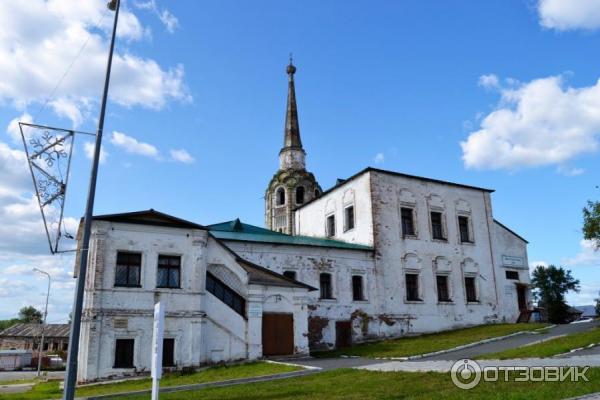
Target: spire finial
<point>291,69</point>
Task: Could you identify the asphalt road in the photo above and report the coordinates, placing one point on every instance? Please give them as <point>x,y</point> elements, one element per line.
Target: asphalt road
<point>14,375</point>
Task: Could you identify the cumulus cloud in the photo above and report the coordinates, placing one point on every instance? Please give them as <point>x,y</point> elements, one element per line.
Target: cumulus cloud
<point>488,81</point>
<point>169,21</point>
<point>13,127</point>
<point>565,15</point>
<point>133,146</point>
<point>39,39</point>
<point>587,256</point>
<point>89,147</point>
<point>379,158</point>
<point>542,122</point>
<point>181,155</point>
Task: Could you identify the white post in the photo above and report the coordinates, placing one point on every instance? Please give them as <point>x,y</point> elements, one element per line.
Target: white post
<point>157,347</point>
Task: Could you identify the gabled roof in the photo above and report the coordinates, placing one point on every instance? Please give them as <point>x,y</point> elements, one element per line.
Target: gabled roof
<point>510,230</point>
<point>341,182</point>
<point>149,217</point>
<point>238,231</point>
<point>35,330</point>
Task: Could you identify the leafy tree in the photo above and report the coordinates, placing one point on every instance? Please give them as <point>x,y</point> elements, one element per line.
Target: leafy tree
<point>7,323</point>
<point>598,305</point>
<point>591,222</point>
<point>551,285</point>
<point>30,314</point>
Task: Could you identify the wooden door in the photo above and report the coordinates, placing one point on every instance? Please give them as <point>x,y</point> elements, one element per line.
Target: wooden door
<point>277,334</point>
<point>521,297</point>
<point>343,334</point>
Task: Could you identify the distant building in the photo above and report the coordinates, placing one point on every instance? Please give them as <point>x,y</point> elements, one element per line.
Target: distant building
<point>27,337</point>
<point>11,360</point>
<point>380,254</point>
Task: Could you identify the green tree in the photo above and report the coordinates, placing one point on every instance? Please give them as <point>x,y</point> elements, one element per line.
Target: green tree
<point>551,285</point>
<point>598,305</point>
<point>591,222</point>
<point>30,314</point>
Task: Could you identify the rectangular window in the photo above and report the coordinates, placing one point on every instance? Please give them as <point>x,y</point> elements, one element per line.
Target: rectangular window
<point>463,227</point>
<point>331,226</point>
<point>412,287</point>
<point>470,289</point>
<point>408,223</point>
<point>127,272</point>
<point>437,231</point>
<point>290,274</point>
<point>169,271</point>
<point>168,359</point>
<point>357,288</point>
<point>124,353</point>
<point>348,218</point>
<point>442,288</point>
<point>512,275</point>
<point>325,286</point>
<point>224,293</point>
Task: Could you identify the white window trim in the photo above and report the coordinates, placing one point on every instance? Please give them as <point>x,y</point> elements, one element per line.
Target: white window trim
<point>327,216</point>
<point>448,276</point>
<point>346,206</point>
<point>469,227</point>
<point>413,207</point>
<point>444,225</point>
<point>419,286</point>
<point>477,293</point>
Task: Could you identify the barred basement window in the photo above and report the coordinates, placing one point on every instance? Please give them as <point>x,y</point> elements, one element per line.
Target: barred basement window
<point>512,275</point>
<point>437,231</point>
<point>348,218</point>
<point>325,286</point>
<point>127,271</point>
<point>408,223</point>
<point>442,288</point>
<point>169,271</point>
<point>470,289</point>
<point>224,293</point>
<point>412,287</point>
<point>124,353</point>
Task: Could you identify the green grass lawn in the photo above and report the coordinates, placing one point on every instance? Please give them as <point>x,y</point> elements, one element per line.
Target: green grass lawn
<point>549,348</point>
<point>366,385</point>
<point>50,390</point>
<point>414,345</point>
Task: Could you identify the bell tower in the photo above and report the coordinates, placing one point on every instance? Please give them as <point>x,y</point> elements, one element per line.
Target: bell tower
<point>292,185</point>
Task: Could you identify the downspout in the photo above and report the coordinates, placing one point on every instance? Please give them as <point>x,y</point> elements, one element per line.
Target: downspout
<point>487,219</point>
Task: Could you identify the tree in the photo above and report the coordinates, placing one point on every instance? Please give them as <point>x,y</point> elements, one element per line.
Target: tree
<point>30,314</point>
<point>551,284</point>
<point>591,222</point>
<point>598,305</point>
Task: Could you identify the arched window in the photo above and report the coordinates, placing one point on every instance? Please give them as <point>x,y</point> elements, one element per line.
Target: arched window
<point>300,195</point>
<point>280,194</point>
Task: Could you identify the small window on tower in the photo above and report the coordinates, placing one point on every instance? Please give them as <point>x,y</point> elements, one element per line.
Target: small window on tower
<point>317,193</point>
<point>300,195</point>
<point>280,194</point>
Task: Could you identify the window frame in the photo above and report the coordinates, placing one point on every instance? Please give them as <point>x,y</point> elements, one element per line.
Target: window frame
<point>169,268</point>
<point>330,229</point>
<point>129,266</point>
<point>443,236</point>
<point>303,195</point>
<point>329,292</point>
<point>407,295</point>
<point>280,189</point>
<point>221,291</point>
<point>475,298</point>
<point>412,211</point>
<point>360,296</point>
<point>353,218</point>
<point>507,272</point>
<point>467,219</point>
<point>117,365</point>
<point>448,298</point>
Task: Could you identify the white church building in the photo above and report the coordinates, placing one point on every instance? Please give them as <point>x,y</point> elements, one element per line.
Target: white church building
<point>381,254</point>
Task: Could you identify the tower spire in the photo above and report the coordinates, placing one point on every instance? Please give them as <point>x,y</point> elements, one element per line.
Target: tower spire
<point>292,127</point>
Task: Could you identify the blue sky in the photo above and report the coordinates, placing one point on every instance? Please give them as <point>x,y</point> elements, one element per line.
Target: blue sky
<point>198,97</point>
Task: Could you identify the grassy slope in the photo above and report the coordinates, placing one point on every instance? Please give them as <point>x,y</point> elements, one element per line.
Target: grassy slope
<point>409,346</point>
<point>550,348</point>
<point>51,390</point>
<point>365,385</point>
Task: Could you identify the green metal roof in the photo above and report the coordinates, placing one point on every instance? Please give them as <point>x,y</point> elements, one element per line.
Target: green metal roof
<point>239,231</point>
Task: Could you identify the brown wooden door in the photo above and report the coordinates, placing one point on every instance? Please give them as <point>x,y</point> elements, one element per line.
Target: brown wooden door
<point>343,334</point>
<point>277,334</point>
<point>521,297</point>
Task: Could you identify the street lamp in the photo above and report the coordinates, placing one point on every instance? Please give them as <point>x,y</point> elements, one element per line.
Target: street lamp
<point>41,347</point>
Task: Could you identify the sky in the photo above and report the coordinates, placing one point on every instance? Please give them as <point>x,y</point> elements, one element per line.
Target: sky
<point>499,94</point>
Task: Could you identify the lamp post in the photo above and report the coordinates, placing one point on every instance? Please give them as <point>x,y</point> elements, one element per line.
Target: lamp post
<point>41,347</point>
<point>71,375</point>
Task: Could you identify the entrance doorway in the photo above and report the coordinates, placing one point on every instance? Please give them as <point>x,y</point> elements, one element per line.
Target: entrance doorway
<point>522,297</point>
<point>277,334</point>
<point>343,334</point>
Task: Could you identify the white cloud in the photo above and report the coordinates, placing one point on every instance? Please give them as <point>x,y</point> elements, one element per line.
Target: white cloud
<point>536,123</point>
<point>587,256</point>
<point>569,171</point>
<point>13,127</point>
<point>181,155</point>
<point>565,15</point>
<point>39,40</point>
<point>379,158</point>
<point>589,292</point>
<point>534,264</point>
<point>132,145</point>
<point>89,147</point>
<point>170,22</point>
<point>488,81</point>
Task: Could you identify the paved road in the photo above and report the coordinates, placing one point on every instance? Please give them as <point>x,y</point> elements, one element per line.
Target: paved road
<point>13,375</point>
<point>513,342</point>
<point>332,363</point>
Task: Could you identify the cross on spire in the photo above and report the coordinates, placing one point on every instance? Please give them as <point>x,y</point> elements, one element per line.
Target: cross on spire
<point>292,127</point>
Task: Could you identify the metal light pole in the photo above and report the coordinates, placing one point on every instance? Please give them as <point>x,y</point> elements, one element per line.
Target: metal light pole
<point>71,375</point>
<point>41,347</point>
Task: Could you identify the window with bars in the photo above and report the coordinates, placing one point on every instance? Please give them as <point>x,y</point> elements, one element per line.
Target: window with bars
<point>326,291</point>
<point>357,288</point>
<point>169,272</point>
<point>330,226</point>
<point>224,293</point>
<point>124,353</point>
<point>412,287</point>
<point>470,289</point>
<point>463,228</point>
<point>348,218</point>
<point>437,230</point>
<point>128,268</point>
<point>442,288</point>
<point>408,223</point>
